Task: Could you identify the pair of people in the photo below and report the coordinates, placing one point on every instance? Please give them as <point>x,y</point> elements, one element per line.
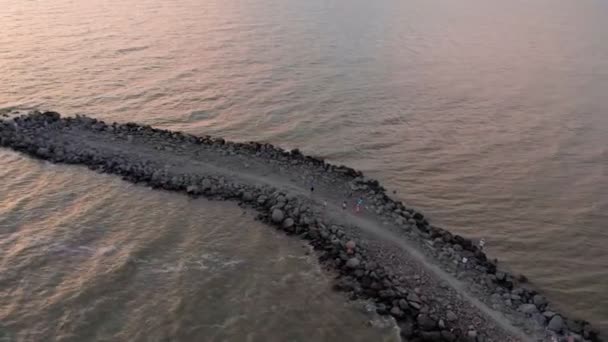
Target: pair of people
<point>358,205</point>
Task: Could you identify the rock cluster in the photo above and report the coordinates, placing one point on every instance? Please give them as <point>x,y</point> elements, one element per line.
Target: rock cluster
<point>357,274</point>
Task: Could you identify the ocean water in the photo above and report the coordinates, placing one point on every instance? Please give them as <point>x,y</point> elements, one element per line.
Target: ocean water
<point>86,257</point>
<point>489,116</point>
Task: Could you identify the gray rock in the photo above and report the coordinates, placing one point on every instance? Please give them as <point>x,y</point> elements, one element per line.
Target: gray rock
<point>403,304</point>
<point>448,336</point>
<point>451,316</point>
<point>351,245</point>
<point>412,297</point>
<point>540,301</point>
<point>518,291</point>
<point>496,298</point>
<point>528,309</point>
<point>426,323</point>
<point>407,329</point>
<point>353,263</point>
<point>556,324</point>
<point>206,184</point>
<point>540,319</point>
<point>193,189</point>
<point>472,334</point>
<point>548,314</point>
<point>247,196</point>
<point>395,311</point>
<point>431,336</point>
<point>415,305</point>
<point>278,216</point>
<point>574,326</point>
<point>500,276</point>
<point>288,223</point>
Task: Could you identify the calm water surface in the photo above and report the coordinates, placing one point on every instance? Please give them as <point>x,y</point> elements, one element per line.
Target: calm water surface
<point>491,116</point>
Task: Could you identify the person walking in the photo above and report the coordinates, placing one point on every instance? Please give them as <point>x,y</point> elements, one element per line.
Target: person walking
<point>359,204</point>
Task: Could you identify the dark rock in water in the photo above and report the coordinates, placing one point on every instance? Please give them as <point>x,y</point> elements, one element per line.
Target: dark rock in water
<point>556,324</point>
<point>278,216</point>
<point>407,329</point>
<point>540,301</point>
<point>426,323</point>
<point>381,309</point>
<point>574,326</point>
<point>590,333</point>
<point>353,263</point>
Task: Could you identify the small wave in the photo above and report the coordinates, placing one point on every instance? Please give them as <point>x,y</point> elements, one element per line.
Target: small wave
<point>132,49</point>
<point>205,262</point>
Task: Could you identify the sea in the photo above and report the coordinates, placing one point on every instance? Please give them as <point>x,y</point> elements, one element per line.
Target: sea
<point>489,116</point>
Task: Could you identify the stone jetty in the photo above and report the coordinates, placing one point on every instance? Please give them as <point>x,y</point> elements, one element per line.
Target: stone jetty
<point>438,286</point>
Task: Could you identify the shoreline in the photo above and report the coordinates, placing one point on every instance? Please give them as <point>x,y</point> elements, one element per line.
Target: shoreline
<point>437,285</point>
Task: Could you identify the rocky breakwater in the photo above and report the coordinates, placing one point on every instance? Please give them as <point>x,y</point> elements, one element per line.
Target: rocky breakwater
<point>359,265</point>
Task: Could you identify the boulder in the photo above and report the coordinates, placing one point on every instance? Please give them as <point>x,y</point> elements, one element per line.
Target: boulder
<point>556,324</point>
<point>431,336</point>
<point>415,305</point>
<point>413,297</point>
<point>193,189</point>
<point>540,319</point>
<point>451,316</point>
<point>351,245</point>
<point>288,223</point>
<point>426,323</point>
<point>407,329</point>
<point>539,301</point>
<point>528,309</point>
<point>278,216</point>
<point>548,314</point>
<point>448,336</point>
<point>396,312</point>
<point>574,326</point>
<point>353,263</point>
<point>247,196</point>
